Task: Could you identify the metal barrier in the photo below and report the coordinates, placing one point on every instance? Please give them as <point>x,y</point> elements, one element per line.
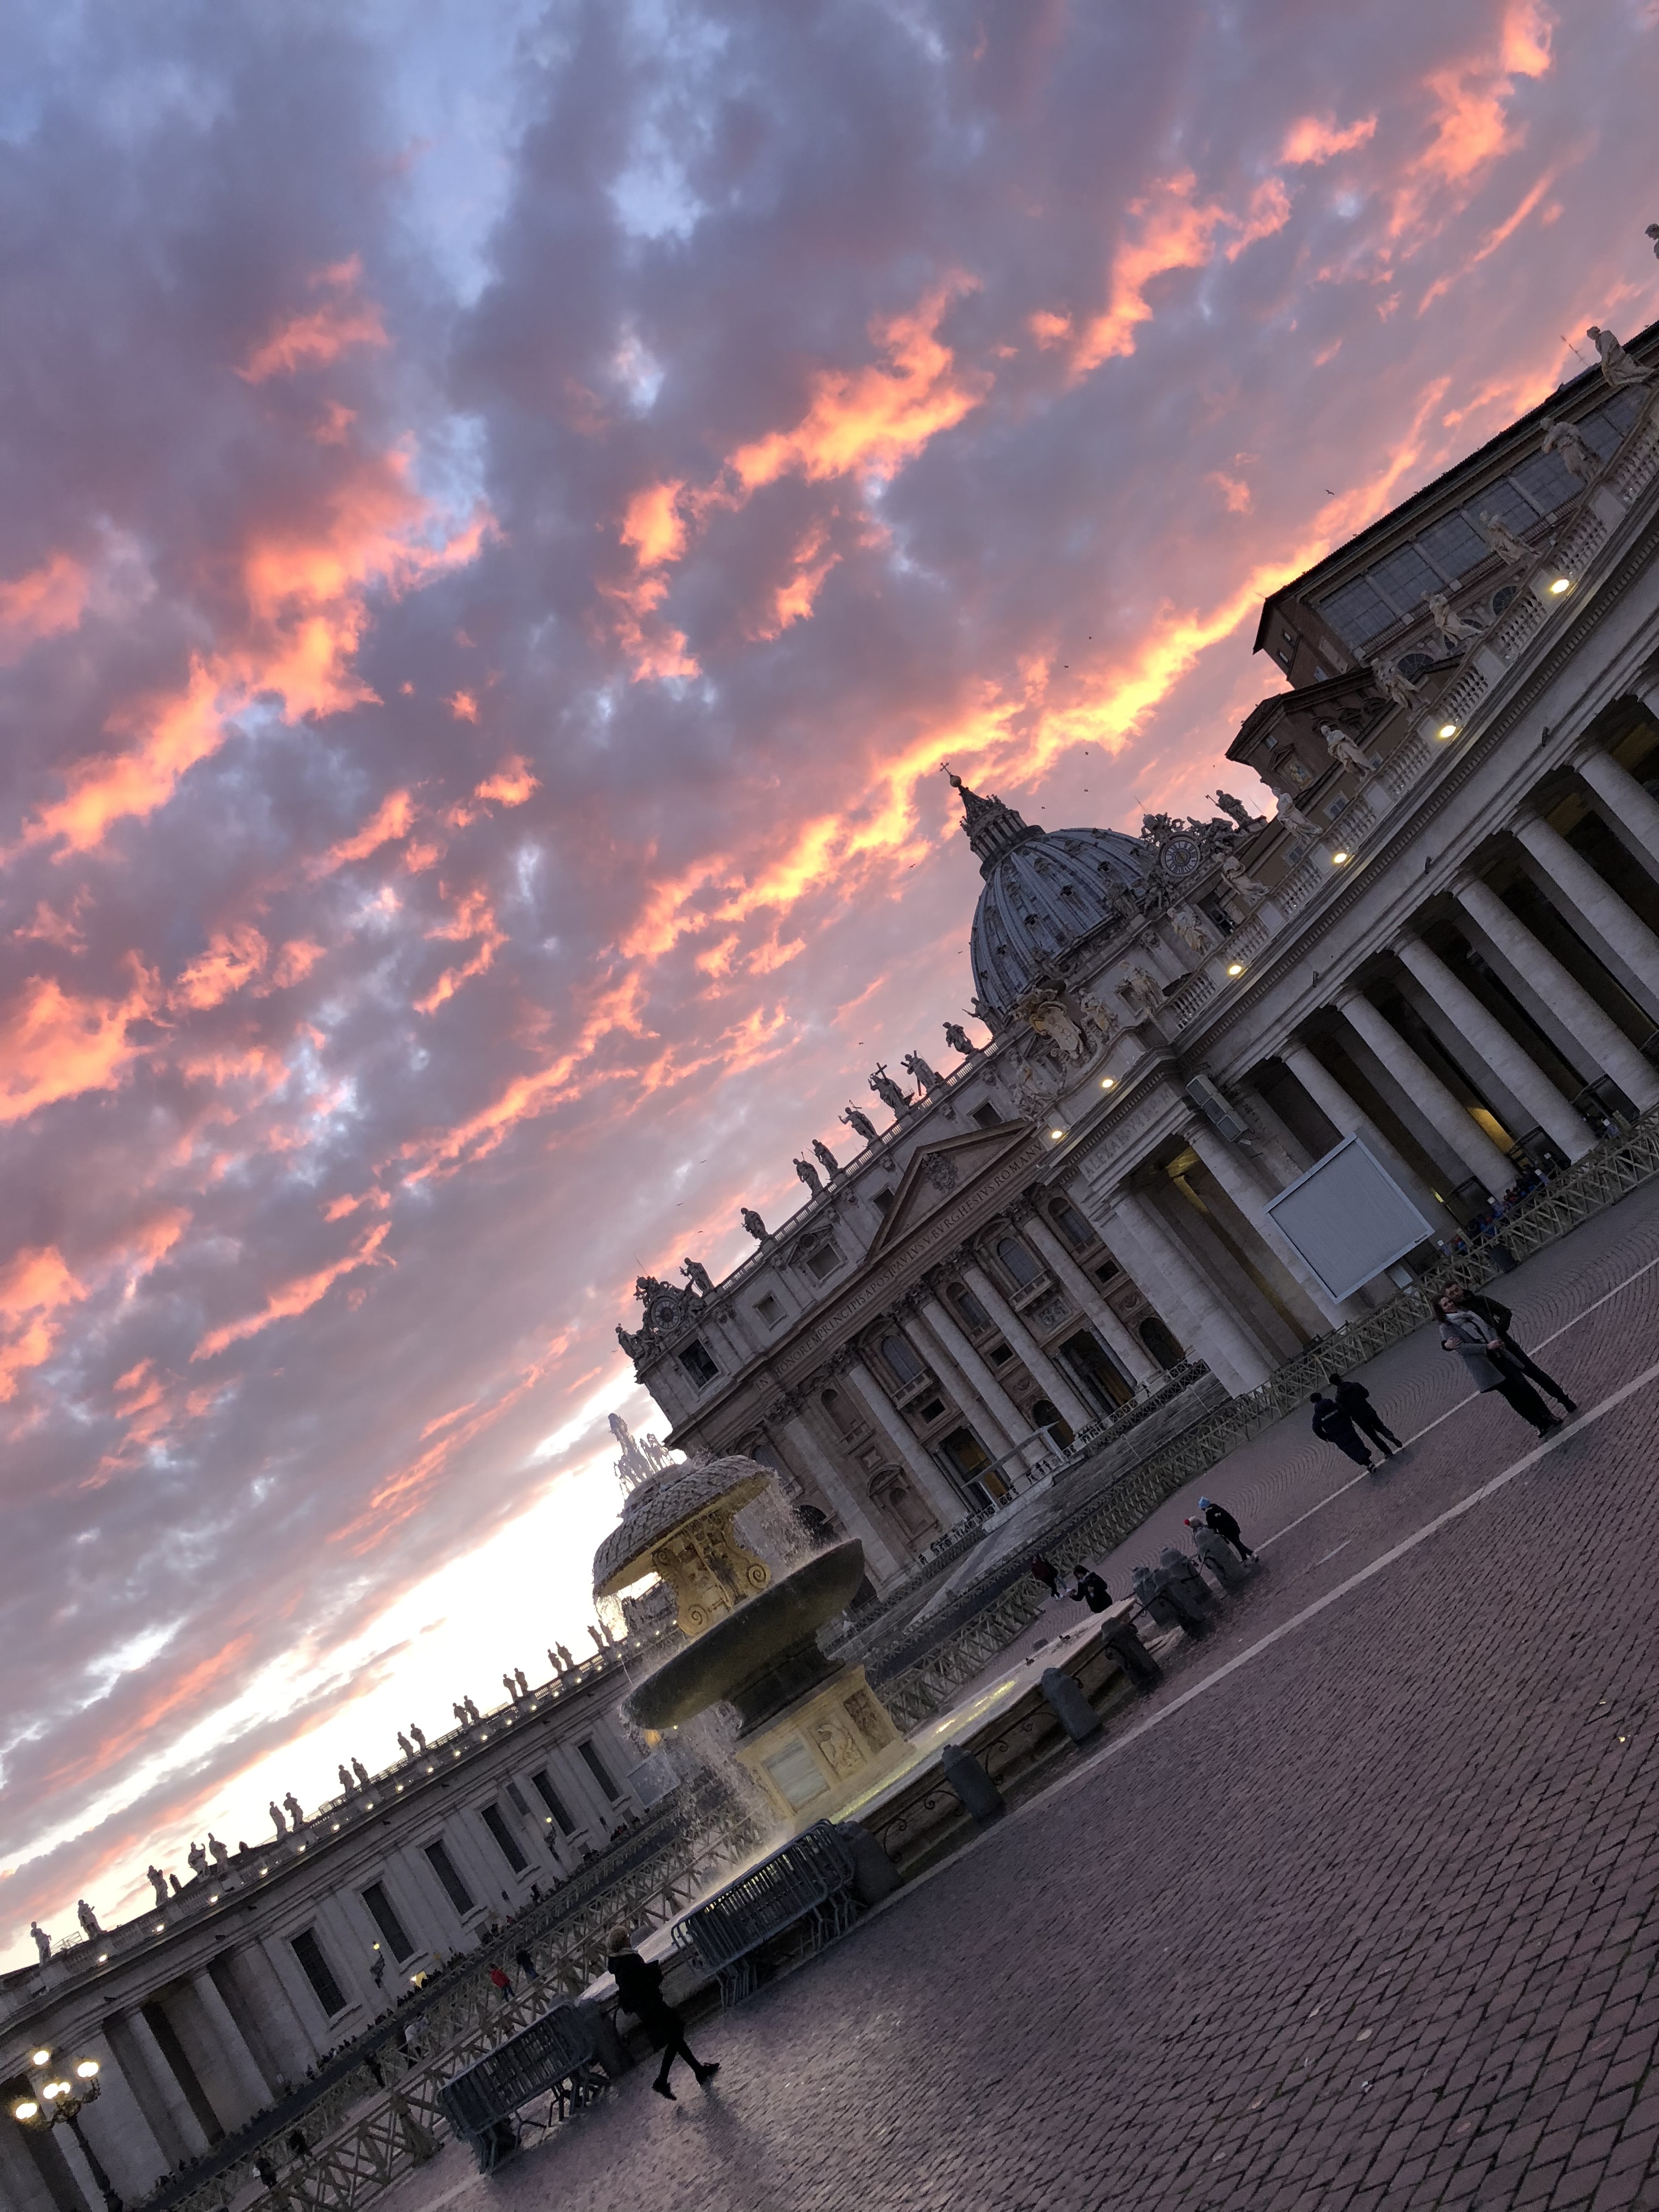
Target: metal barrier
<point>803,1893</point>
<point>553,2056</point>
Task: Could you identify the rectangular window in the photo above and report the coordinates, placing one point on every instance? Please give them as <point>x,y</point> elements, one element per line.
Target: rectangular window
<point>595,1765</point>
<point>505,1839</point>
<point>556,1805</point>
<point>822,1262</point>
<point>988,1116</point>
<point>697,1363</point>
<point>1404,579</point>
<point>444,1866</point>
<point>1356,613</point>
<point>881,1200</point>
<point>769,1309</point>
<point>384,1917</point>
<point>1545,480</point>
<point>1453,546</point>
<point>1502,500</point>
<point>309,1952</point>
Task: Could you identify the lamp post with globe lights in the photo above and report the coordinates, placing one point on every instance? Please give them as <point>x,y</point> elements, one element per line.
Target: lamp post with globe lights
<point>59,2093</point>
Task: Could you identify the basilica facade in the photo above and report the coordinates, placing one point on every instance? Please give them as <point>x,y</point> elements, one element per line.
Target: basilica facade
<point>1440,935</point>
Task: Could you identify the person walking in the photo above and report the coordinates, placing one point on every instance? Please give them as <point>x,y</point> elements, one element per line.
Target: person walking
<point>1478,1344</point>
<point>1218,1518</point>
<point>1332,1426</point>
<point>1091,1590</point>
<point>1047,1573</point>
<point>1354,1400</point>
<point>499,1979</point>
<point>639,1991</point>
<point>525,1963</point>
<point>1489,1310</point>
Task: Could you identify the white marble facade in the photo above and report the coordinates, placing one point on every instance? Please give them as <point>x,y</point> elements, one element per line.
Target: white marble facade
<point>1442,932</point>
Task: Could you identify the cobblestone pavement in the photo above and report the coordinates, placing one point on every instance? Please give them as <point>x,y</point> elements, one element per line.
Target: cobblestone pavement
<point>1369,1920</point>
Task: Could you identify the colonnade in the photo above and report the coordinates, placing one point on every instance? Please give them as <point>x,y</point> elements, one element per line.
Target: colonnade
<point>1505,1034</point>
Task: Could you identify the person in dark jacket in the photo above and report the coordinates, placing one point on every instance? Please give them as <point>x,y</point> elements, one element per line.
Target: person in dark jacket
<point>1478,1344</point>
<point>1218,1518</point>
<point>639,1991</point>
<point>1488,1308</point>
<point>1091,1589</point>
<point>1047,1573</point>
<point>1354,1400</point>
<point>1332,1426</point>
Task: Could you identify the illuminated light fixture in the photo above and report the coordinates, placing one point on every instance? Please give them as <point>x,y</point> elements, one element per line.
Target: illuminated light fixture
<point>27,2111</point>
<point>1056,1135</point>
<point>50,2091</point>
<point>264,1870</point>
<point>1235,967</point>
<point>455,1754</point>
<point>87,2070</point>
<point>1108,1083</point>
<point>103,1958</point>
<point>161,1928</point>
<point>1561,584</point>
<point>336,1827</point>
<point>1341,859</point>
<point>39,2058</point>
<point>213,1901</point>
<point>1447,730</point>
<point>303,1847</point>
<point>400,1789</point>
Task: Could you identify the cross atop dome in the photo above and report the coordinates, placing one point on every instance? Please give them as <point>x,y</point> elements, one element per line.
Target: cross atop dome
<point>991,827</point>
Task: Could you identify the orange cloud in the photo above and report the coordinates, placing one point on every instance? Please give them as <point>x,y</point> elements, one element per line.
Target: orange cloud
<point>323,335</point>
<point>865,421</point>
<point>1168,229</point>
<point>186,1689</point>
<point>294,962</point>
<point>43,603</point>
<point>296,1298</point>
<point>511,785</point>
<point>1470,121</point>
<point>33,1286</point>
<point>473,917</point>
<point>464,707</point>
<point>234,957</point>
<point>400,1496</point>
<point>53,1046</point>
<point>307,596</point>
<point>1317,139</point>
<point>392,819</point>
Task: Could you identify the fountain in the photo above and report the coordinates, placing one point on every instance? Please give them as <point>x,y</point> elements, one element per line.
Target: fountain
<point>812,1735</point>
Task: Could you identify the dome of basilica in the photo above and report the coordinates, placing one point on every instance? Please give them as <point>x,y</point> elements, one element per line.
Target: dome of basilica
<point>1045,889</point>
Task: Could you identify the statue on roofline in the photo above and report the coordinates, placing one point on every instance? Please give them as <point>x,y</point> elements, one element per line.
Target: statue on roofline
<point>958,1039</point>
<point>809,1175</point>
<point>752,1222</point>
<point>859,1124</point>
<point>826,1159</point>
<point>1567,440</point>
<point>1619,368</point>
<point>888,1091</point>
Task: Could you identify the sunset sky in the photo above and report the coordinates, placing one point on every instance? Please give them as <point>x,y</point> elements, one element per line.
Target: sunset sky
<point>505,510</point>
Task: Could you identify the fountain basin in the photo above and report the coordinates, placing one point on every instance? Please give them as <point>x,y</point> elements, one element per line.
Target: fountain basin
<point>761,1657</point>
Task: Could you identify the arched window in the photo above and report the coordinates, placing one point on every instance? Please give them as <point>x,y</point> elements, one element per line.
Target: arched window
<point>1018,1261</point>
<point>968,1309</point>
<point>837,1408</point>
<point>901,1362</point>
<point>1159,1342</point>
<point>1071,1225</point>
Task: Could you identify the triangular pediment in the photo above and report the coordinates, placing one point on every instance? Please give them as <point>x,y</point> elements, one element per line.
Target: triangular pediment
<point>939,1173</point>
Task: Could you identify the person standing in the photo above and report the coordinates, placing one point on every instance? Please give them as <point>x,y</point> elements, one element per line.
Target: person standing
<point>1354,1400</point>
<point>1218,1518</point>
<point>1491,1310</point>
<point>1332,1426</point>
<point>639,1991</point>
<point>1047,1573</point>
<point>1478,1344</point>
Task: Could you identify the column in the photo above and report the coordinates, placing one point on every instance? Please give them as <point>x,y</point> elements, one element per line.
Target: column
<point>1598,1032</point>
<point>287,2048</point>
<point>1241,1185</point>
<point>947,1506</point>
<point>1451,1121</point>
<point>117,2126</point>
<point>1624,799</point>
<point>957,1353</point>
<point>1625,933</point>
<point>1346,1117</point>
<point>1002,1431</point>
<point>1125,1347</point>
<point>878,1554</point>
<point>1053,1385</point>
<point>1515,1068</point>
<point>167,2085</point>
<point>250,2085</point>
<point>1209,1328</point>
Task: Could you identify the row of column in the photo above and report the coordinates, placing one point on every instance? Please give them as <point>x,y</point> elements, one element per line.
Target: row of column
<point>1148,1244</point>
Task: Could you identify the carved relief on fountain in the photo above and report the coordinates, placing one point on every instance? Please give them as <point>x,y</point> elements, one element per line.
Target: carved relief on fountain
<point>709,1570</point>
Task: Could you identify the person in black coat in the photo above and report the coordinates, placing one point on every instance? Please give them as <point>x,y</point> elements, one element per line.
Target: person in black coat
<point>1091,1589</point>
<point>1047,1573</point>
<point>639,1991</point>
<point>1218,1518</point>
<point>1354,1400</point>
<point>1332,1426</point>
<point>1490,1309</point>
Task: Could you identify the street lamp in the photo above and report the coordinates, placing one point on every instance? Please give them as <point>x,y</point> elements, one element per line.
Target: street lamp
<point>59,2096</point>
